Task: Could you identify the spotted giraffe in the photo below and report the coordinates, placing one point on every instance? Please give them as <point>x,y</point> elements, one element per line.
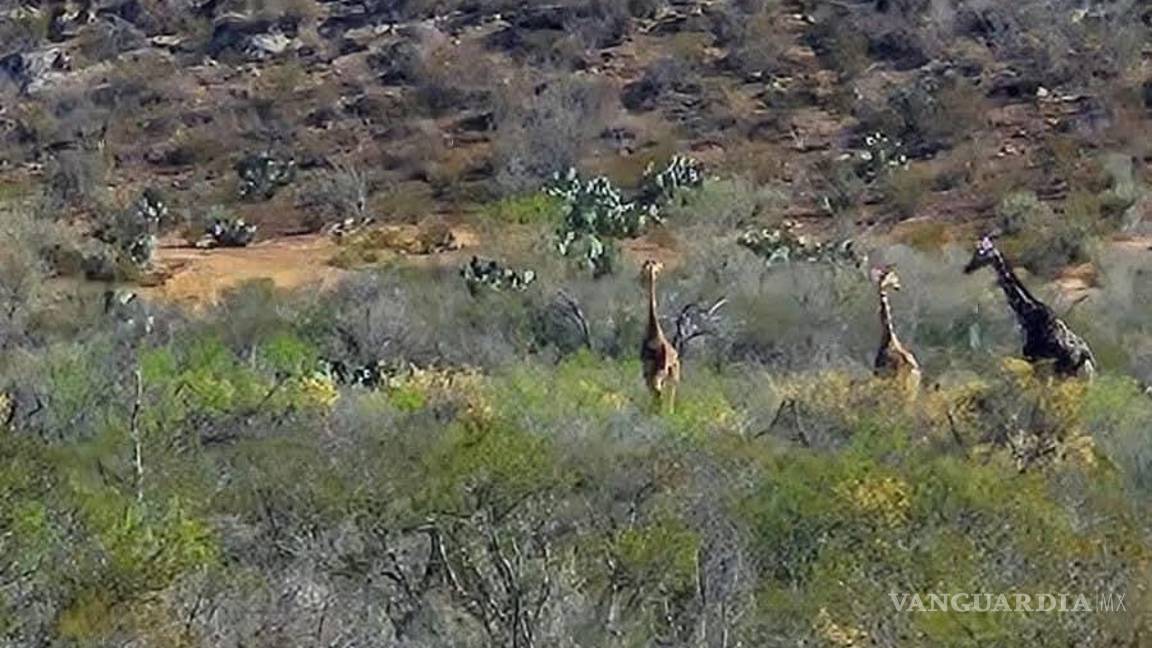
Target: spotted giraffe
<point>893,360</point>
<point>658,355</point>
<point>1047,339</point>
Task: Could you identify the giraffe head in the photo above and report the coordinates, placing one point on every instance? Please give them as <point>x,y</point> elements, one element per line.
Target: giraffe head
<point>650,269</point>
<point>886,277</point>
<point>984,254</point>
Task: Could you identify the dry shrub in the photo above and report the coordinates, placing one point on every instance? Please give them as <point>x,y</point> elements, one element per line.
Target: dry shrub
<point>450,77</point>
<point>756,48</point>
<point>925,236</point>
<point>906,189</point>
<point>386,243</point>
<point>281,83</point>
<point>404,201</point>
<point>546,129</point>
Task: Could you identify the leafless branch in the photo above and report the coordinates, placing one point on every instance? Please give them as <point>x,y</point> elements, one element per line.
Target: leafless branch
<point>134,428</point>
<point>695,321</point>
<point>573,311</point>
<point>792,406</point>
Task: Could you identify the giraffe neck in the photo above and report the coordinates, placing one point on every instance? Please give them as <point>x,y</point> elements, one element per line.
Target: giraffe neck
<point>654,330</point>
<point>1019,299</point>
<point>889,334</point>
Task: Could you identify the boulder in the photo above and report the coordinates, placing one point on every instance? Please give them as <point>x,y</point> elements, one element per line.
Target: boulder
<point>169,43</point>
<point>396,63</point>
<point>641,96</point>
<point>109,37</point>
<point>552,17</point>
<point>347,15</point>
<point>33,70</point>
<point>900,48</point>
<point>476,123</point>
<point>129,10</point>
<point>251,38</point>
<point>262,46</point>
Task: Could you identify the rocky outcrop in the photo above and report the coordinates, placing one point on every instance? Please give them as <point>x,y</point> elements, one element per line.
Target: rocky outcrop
<point>33,70</point>
<point>251,38</point>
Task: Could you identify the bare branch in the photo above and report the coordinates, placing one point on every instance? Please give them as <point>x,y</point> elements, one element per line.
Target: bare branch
<point>695,321</point>
<point>576,314</point>
<point>134,428</point>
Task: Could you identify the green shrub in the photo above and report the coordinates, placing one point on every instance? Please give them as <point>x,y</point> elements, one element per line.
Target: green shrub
<point>1119,415</point>
<point>905,190</point>
<point>727,204</point>
<point>1042,240</point>
<point>541,488</point>
<point>537,208</point>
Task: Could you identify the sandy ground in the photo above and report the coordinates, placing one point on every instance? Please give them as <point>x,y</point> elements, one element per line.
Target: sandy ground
<point>1080,281</point>
<point>198,277</point>
<point>194,277</point>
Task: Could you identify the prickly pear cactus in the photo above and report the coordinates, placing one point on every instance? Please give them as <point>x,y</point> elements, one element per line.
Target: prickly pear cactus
<point>880,156</point>
<point>786,244</point>
<point>597,207</point>
<point>132,232</point>
<point>225,231</point>
<point>595,211</point>
<point>681,173</point>
<point>480,274</point>
<point>151,208</point>
<point>263,174</point>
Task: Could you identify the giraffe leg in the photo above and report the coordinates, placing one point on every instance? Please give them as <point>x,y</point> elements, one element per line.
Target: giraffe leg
<point>654,390</point>
<point>1088,370</point>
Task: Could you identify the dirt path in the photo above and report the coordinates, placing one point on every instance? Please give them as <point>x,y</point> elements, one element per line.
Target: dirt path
<point>195,277</point>
<point>1079,282</point>
<point>198,277</point>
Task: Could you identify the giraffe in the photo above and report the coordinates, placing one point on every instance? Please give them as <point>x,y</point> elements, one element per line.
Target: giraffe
<point>1047,339</point>
<point>893,360</point>
<point>660,359</point>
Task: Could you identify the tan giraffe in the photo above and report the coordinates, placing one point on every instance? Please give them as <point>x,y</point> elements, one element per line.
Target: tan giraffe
<point>660,359</point>
<point>893,360</point>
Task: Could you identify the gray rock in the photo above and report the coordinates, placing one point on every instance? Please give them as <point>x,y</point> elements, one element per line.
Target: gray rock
<point>36,69</point>
<point>250,38</point>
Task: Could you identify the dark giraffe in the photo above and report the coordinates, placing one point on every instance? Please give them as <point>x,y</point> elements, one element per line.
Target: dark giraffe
<point>1047,339</point>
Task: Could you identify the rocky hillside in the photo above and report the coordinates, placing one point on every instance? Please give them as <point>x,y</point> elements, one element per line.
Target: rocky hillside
<point>858,113</point>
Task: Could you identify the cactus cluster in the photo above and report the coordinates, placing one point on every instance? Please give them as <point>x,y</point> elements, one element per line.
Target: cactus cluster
<point>349,226</point>
<point>132,232</point>
<point>786,244</point>
<point>881,154</point>
<point>596,211</point>
<point>597,206</point>
<point>681,173</point>
<point>263,174</point>
<point>368,376</point>
<point>151,208</point>
<point>139,248</point>
<point>227,232</point>
<point>487,273</point>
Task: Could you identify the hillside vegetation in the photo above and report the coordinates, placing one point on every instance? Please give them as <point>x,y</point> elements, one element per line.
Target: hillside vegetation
<point>503,481</point>
<point>441,436</point>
